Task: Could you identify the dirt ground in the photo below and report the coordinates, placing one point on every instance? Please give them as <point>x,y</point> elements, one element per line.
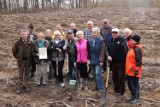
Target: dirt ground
<point>143,21</point>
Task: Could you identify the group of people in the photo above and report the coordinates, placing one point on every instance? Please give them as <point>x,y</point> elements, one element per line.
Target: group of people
<point>91,48</point>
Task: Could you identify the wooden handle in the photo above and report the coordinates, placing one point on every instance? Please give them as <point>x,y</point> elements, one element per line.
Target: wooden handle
<point>107,79</point>
<point>57,66</point>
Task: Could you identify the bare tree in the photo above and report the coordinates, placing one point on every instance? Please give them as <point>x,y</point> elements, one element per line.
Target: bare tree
<point>26,5</point>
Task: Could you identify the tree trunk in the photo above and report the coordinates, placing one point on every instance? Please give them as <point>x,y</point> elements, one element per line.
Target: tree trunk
<point>77,4</point>
<point>36,5</point>
<point>10,8</point>
<point>1,9</point>
<point>42,4</point>
<point>59,4</point>
<point>72,3</point>
<point>97,3</point>
<point>5,6</point>
<point>17,2</point>
<point>25,5</point>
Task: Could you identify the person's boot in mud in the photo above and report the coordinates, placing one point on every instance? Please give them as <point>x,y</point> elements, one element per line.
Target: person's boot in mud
<point>81,84</point>
<point>86,84</point>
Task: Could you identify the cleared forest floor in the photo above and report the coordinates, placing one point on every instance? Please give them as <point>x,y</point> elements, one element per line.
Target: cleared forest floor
<point>143,21</point>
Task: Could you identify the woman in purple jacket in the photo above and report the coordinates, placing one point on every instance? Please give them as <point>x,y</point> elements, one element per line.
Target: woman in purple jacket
<point>82,48</point>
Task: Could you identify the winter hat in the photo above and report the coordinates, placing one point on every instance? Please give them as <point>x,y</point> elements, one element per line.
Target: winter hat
<point>70,32</point>
<point>136,38</point>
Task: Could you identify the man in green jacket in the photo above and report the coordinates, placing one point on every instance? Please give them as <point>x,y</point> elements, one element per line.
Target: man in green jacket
<point>22,51</point>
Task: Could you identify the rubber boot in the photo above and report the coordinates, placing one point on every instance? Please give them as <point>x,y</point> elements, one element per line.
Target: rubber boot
<point>81,84</point>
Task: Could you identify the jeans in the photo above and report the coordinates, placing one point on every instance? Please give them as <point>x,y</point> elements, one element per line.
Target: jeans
<point>73,72</point>
<point>41,72</point>
<point>133,85</point>
<point>51,74</point>
<point>118,76</point>
<point>96,69</point>
<point>60,68</point>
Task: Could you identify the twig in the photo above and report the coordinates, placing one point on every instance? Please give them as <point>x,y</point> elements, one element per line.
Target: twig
<point>86,103</point>
<point>156,101</point>
<point>94,105</point>
<point>59,102</point>
<point>90,99</point>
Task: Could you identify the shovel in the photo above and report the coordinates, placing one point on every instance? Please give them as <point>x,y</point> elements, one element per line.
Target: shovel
<point>57,68</point>
<point>104,99</point>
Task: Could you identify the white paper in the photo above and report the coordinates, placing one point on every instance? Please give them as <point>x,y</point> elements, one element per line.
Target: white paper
<point>42,53</point>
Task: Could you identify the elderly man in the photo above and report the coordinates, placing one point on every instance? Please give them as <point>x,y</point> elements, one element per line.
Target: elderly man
<point>73,28</point>
<point>88,31</point>
<point>32,37</point>
<point>106,35</point>
<point>106,30</point>
<point>71,51</point>
<point>117,50</point>
<point>22,51</point>
<point>97,52</point>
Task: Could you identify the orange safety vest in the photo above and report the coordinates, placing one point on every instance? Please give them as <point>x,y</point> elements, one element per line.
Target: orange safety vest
<point>131,62</point>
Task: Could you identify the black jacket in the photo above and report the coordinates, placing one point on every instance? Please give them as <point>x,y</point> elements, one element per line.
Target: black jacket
<point>117,49</point>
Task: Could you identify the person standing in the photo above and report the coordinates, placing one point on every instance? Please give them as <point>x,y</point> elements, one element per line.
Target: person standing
<point>41,64</point>
<point>88,36</point>
<point>117,49</point>
<point>48,37</point>
<point>97,53</point>
<point>58,55</point>
<point>71,51</point>
<point>32,37</point>
<point>73,28</point>
<point>82,51</point>
<point>127,35</point>
<point>88,31</point>
<point>106,34</point>
<point>134,68</point>
<point>105,30</point>
<point>22,51</point>
<point>59,28</point>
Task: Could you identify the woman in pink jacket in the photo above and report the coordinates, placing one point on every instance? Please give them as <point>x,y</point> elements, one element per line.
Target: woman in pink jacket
<point>82,52</point>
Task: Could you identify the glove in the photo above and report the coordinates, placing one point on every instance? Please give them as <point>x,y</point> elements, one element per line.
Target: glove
<point>64,47</point>
<point>101,64</point>
<point>88,62</point>
<point>135,73</point>
<point>59,49</point>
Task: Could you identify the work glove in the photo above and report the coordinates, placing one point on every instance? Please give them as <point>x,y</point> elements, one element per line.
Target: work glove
<point>109,58</point>
<point>135,73</point>
<point>59,49</point>
<point>88,62</point>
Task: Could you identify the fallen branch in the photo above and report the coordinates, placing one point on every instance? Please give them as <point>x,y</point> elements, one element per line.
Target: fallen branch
<point>86,103</point>
<point>65,104</point>
<point>90,99</point>
<point>156,101</point>
<point>92,104</point>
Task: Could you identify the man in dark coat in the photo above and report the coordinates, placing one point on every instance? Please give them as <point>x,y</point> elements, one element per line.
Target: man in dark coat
<point>22,51</point>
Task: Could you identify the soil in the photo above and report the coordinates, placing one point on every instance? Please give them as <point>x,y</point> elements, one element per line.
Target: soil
<point>142,21</point>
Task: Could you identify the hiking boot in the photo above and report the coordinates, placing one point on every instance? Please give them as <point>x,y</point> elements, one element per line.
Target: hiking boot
<point>130,98</point>
<point>122,95</point>
<point>19,91</point>
<point>134,101</point>
<point>62,84</point>
<point>86,87</point>
<point>101,91</point>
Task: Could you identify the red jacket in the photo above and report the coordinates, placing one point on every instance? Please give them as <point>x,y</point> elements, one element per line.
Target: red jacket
<point>134,60</point>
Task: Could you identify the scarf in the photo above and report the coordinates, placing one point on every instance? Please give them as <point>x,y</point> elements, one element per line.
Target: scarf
<point>41,44</point>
